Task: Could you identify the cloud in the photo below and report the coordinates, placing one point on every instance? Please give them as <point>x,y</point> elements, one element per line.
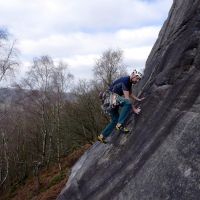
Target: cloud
<point>79,31</point>
<point>40,18</point>
<point>63,45</point>
<point>82,49</point>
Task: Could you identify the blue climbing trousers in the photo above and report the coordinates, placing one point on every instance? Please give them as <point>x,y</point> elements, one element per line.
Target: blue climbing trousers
<point>119,114</point>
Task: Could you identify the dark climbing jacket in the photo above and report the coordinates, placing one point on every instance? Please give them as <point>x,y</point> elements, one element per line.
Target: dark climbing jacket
<point>120,85</point>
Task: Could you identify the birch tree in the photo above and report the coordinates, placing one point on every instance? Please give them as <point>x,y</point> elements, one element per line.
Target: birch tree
<point>109,67</point>
<point>8,54</point>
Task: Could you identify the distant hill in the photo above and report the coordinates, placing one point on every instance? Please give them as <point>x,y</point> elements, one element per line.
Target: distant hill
<point>10,96</point>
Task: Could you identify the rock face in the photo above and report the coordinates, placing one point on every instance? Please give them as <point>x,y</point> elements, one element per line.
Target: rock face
<point>161,158</point>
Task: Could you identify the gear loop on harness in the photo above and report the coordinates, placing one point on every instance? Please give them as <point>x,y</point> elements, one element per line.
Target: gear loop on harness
<point>109,101</point>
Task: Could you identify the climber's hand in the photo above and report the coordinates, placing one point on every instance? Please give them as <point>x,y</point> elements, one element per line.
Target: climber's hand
<point>137,110</point>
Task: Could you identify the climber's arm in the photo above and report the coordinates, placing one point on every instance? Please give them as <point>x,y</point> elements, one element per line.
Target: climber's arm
<point>136,98</point>
<point>127,95</point>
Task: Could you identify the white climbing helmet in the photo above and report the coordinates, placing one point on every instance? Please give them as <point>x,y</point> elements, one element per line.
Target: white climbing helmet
<point>137,73</point>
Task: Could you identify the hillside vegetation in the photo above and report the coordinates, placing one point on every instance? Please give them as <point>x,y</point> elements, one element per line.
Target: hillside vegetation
<point>49,182</point>
<point>46,116</point>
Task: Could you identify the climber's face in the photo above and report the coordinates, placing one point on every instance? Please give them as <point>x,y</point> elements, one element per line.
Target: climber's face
<point>135,78</point>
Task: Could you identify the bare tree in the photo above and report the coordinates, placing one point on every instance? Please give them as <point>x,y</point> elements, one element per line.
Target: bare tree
<point>61,81</point>
<point>85,114</point>
<point>3,34</point>
<point>4,170</point>
<point>47,84</point>
<point>109,67</point>
<point>8,62</point>
<point>8,54</point>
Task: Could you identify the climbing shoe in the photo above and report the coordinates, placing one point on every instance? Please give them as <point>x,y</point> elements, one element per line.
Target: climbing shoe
<point>101,139</point>
<point>120,127</point>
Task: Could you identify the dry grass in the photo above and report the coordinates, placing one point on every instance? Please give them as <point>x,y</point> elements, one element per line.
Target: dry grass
<point>52,180</point>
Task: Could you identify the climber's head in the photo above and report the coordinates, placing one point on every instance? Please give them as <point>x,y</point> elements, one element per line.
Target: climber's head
<point>135,76</point>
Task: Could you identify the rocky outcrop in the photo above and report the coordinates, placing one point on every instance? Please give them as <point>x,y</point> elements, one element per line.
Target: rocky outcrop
<point>161,158</point>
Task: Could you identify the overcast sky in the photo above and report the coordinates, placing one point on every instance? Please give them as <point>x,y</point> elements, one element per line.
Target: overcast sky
<point>79,31</point>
